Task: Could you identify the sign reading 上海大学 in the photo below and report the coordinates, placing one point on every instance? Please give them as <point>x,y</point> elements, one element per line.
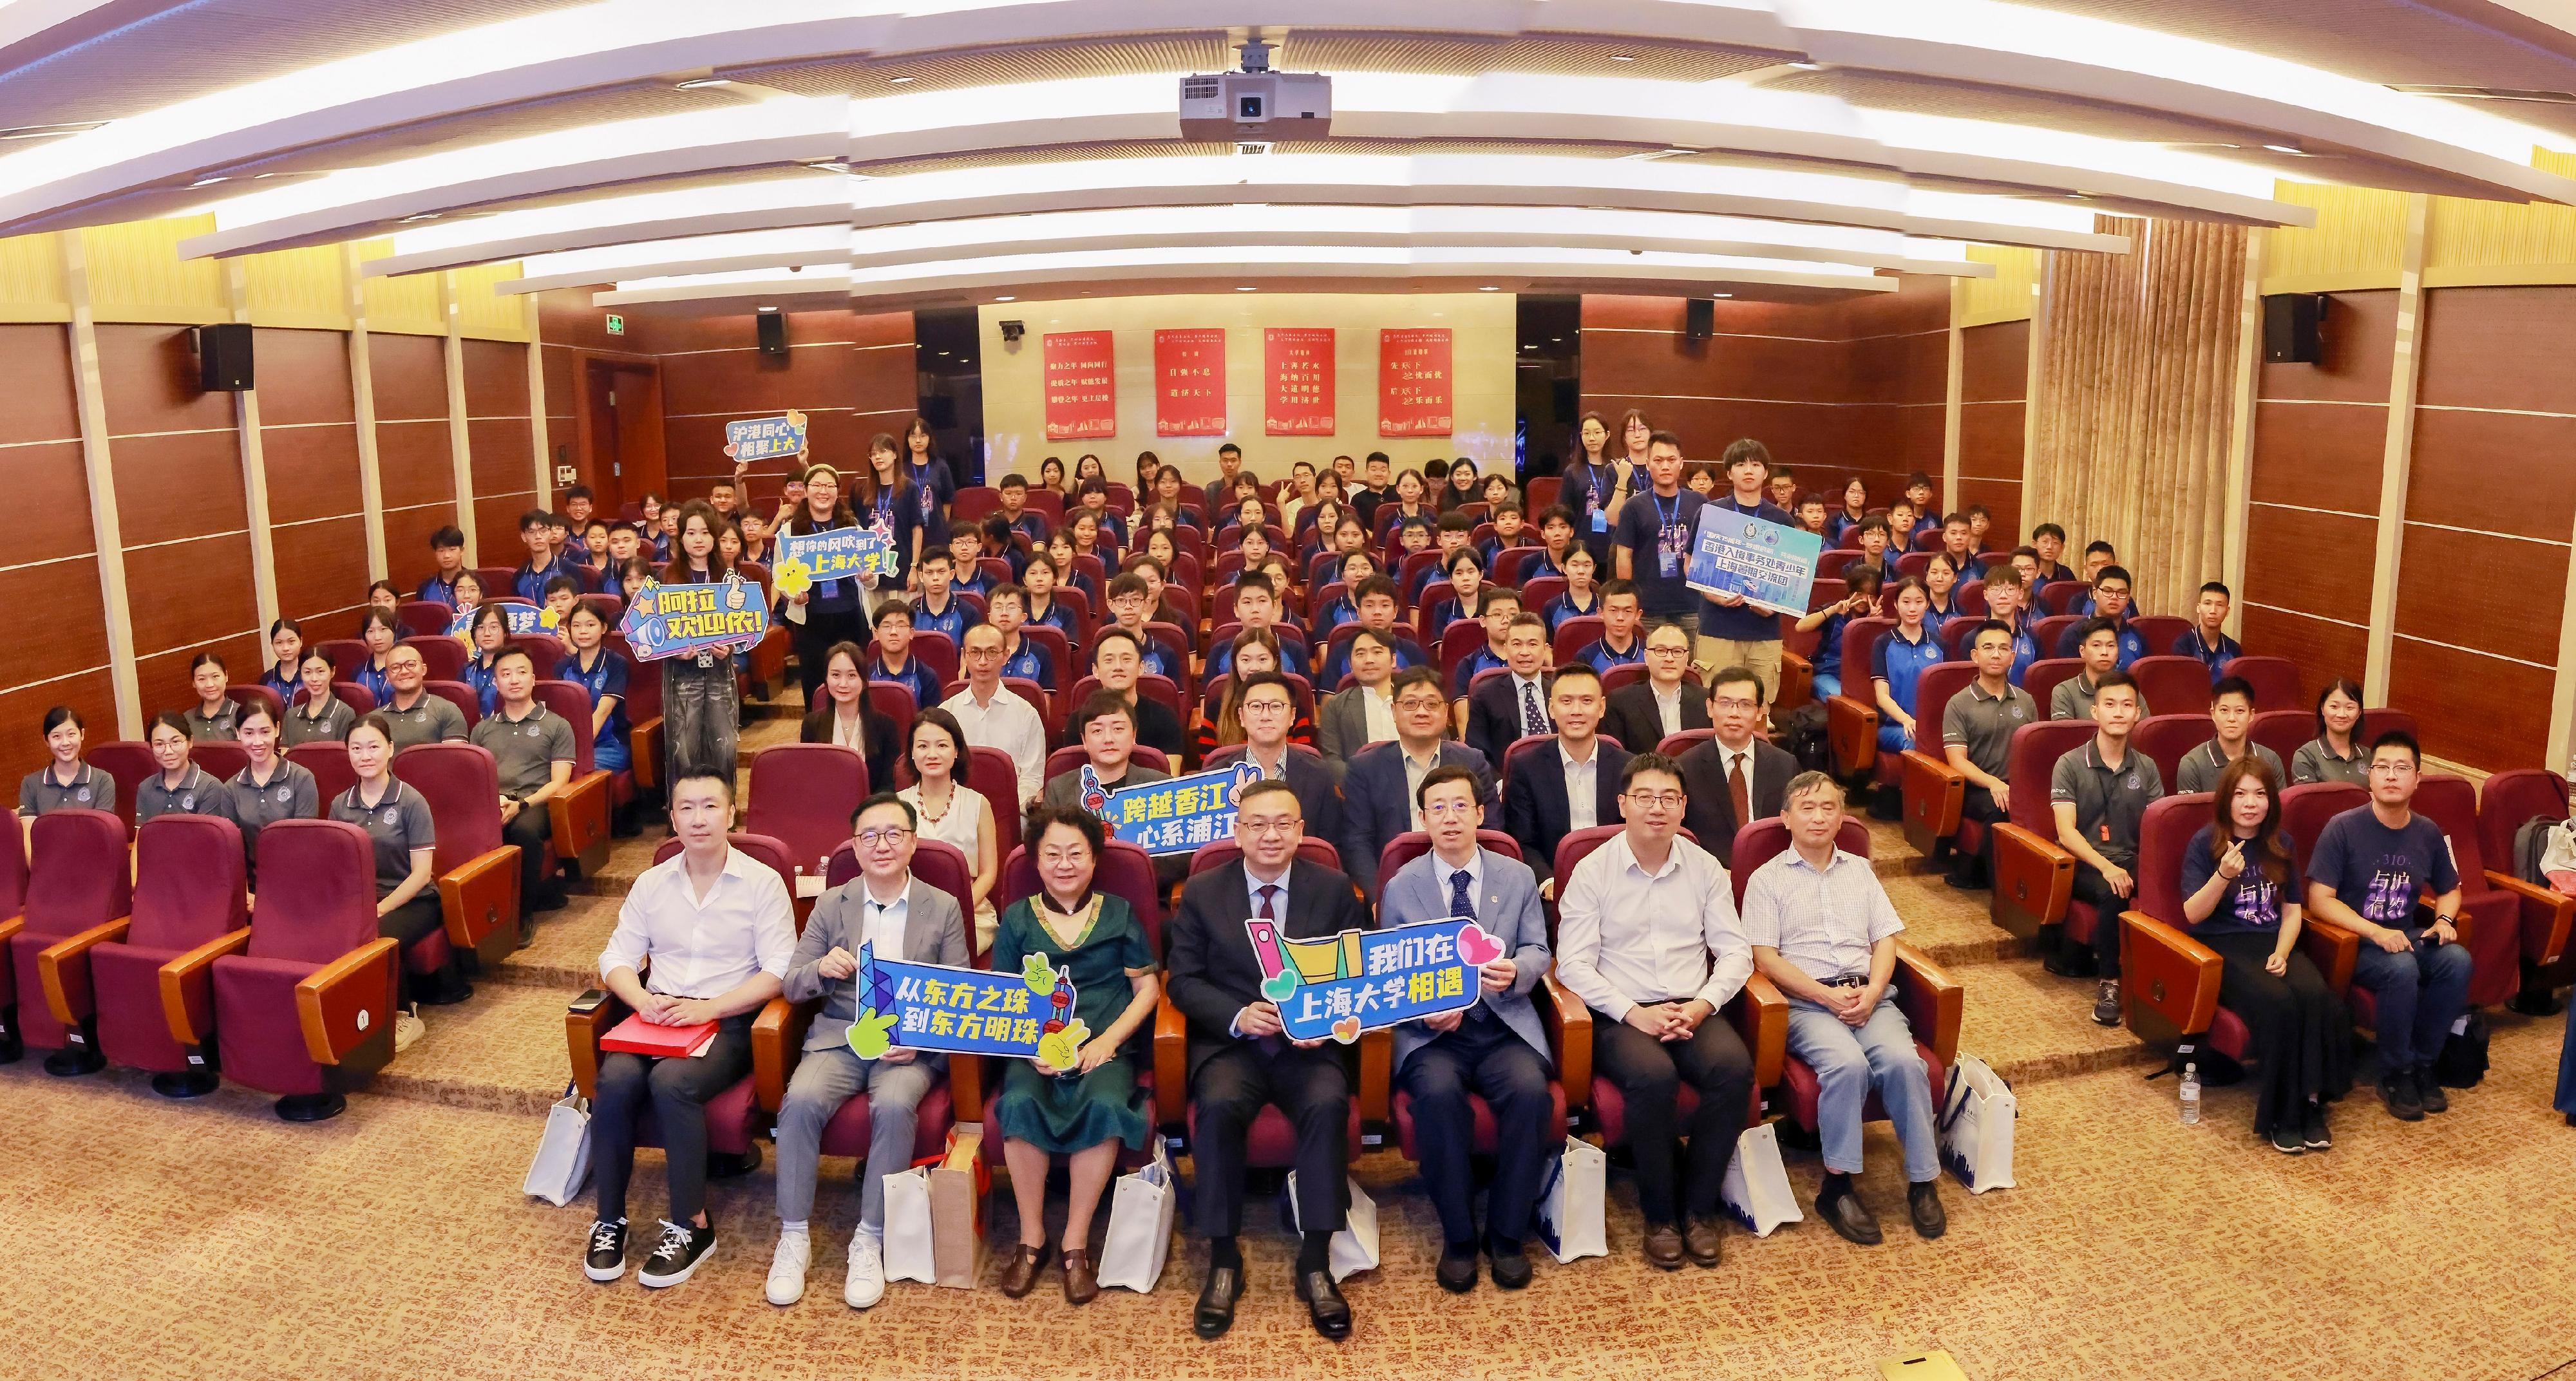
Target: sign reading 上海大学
<point>1770,564</point>
<point>1026,1015</point>
<point>1174,815</point>
<point>842,553</point>
<point>677,620</point>
<point>522,618</point>
<point>765,438</point>
<point>1359,980</point>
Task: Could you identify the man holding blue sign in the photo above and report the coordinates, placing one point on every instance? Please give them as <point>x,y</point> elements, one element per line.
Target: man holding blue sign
<point>1735,630</point>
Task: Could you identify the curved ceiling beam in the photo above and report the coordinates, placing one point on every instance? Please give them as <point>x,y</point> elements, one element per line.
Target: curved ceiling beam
<point>808,247</point>
<point>816,199</point>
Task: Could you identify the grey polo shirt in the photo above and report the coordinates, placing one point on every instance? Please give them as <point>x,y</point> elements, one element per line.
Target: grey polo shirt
<point>291,794</point>
<point>434,720</point>
<point>217,728</point>
<point>396,824</point>
<point>2201,767</point>
<point>198,793</point>
<point>1983,724</point>
<point>2108,805</point>
<point>332,726</point>
<point>90,789</point>
<point>2315,762</point>
<point>524,750</point>
<point>2073,699</point>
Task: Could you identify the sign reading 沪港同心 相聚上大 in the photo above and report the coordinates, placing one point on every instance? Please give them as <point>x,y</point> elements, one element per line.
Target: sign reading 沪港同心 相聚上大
<point>1081,385</point>
<point>1174,815</point>
<point>522,618</point>
<point>1771,564</point>
<point>1189,382</point>
<point>1413,384</point>
<point>1340,985</point>
<point>1025,1014</point>
<point>679,619</point>
<point>765,438</point>
<point>1298,361</point>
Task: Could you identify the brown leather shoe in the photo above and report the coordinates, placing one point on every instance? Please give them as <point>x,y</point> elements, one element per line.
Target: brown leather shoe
<point>1081,1279</point>
<point>1700,1239</point>
<point>1664,1247</point>
<point>1020,1273</point>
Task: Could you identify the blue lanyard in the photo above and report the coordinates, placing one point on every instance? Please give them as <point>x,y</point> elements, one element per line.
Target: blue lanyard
<point>1662,519</point>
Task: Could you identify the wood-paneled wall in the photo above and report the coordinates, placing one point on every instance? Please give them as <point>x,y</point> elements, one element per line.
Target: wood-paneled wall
<point>1994,403</point>
<point>414,451</point>
<point>851,374</point>
<point>308,437</point>
<point>52,565</point>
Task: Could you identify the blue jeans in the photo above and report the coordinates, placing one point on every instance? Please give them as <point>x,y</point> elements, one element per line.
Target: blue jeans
<point>1827,684</point>
<point>1892,737</point>
<point>2566,1100</point>
<point>2421,992</point>
<point>1849,1062</point>
<point>611,755</point>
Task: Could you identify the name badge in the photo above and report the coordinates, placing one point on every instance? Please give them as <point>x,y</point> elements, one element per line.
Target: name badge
<point>1600,521</point>
<point>1671,562</point>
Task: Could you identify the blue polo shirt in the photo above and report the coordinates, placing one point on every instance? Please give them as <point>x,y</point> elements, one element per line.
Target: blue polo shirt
<point>953,621</point>
<point>1031,663</point>
<point>1476,661</point>
<point>2025,650</point>
<point>439,589</point>
<point>378,684</point>
<point>1900,663</point>
<point>529,583</point>
<point>1741,622</point>
<point>606,678</point>
<point>2133,644</point>
<point>1829,645</point>
<point>1058,617</point>
<point>1292,658</point>
<point>1600,656</point>
<point>1334,614</point>
<point>478,676</point>
<point>915,677</point>
<point>1563,607</point>
<point>2215,658</point>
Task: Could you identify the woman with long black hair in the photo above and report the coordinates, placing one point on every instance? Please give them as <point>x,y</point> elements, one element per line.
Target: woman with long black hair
<point>834,611</point>
<point>701,705</point>
<point>934,485</point>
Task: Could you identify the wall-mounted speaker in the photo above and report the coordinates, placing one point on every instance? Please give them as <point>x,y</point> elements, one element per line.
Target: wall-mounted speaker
<point>773,332</point>
<point>223,357</point>
<point>2294,328</point>
<point>1699,317</point>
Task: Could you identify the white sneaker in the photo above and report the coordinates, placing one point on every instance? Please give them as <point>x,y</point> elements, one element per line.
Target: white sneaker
<point>867,1270</point>
<point>407,1031</point>
<point>787,1268</point>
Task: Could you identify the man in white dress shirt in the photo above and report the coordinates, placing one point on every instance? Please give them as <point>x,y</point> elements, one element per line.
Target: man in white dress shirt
<point>716,928</point>
<point>1647,937</point>
<point>994,716</point>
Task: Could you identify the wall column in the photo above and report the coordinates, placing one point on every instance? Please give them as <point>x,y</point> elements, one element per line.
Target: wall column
<point>460,437</point>
<point>254,463</point>
<point>1951,394</point>
<point>2239,491</point>
<point>537,407</point>
<point>105,528</point>
<point>2033,372</point>
<point>2397,455</point>
<point>362,387</point>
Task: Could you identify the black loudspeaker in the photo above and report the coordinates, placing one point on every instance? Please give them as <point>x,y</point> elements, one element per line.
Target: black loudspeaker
<point>773,332</point>
<point>1699,317</point>
<point>223,357</point>
<point>2294,328</point>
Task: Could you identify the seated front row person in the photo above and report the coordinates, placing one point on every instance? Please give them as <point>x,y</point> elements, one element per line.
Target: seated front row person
<point>1823,930</point>
<point>2231,715</point>
<point>2099,791</point>
<point>703,937</point>
<point>909,921</point>
<point>1647,937</point>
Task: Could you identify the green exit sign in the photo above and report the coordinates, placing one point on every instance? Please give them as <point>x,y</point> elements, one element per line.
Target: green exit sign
<point>616,324</point>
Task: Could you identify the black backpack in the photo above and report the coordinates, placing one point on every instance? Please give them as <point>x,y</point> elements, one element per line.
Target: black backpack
<point>1803,738</point>
<point>2463,1061</point>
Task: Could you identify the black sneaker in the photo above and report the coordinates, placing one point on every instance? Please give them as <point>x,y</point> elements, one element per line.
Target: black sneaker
<point>677,1258</point>
<point>2428,1090</point>
<point>2397,1090</point>
<point>2313,1134</point>
<point>2106,1003</point>
<point>2285,1138</point>
<point>607,1259</point>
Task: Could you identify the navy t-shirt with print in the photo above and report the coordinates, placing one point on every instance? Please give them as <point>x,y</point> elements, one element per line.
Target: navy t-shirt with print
<point>2251,903</point>
<point>1650,528</point>
<point>2377,871</point>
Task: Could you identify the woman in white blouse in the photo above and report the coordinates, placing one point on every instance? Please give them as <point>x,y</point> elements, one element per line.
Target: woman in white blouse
<point>951,811</point>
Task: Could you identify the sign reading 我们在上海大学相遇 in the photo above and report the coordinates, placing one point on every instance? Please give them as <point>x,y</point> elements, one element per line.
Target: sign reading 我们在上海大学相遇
<point>522,618</point>
<point>1340,985</point>
<point>841,553</point>
<point>1174,815</point>
<point>1024,1015</point>
<point>1771,564</point>
<point>765,438</point>
<point>680,619</point>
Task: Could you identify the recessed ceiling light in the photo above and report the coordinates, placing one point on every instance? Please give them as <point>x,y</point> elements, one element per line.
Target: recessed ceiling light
<point>1489,288</point>
<point>423,216</point>
<point>767,309</point>
<point>2291,149</point>
<point>1721,294</point>
<point>1622,57</point>
<point>702,83</point>
<point>1559,340</point>
<point>1247,288</point>
<point>897,81</point>
<point>1006,299</point>
<point>209,181</point>
<point>1804,66</point>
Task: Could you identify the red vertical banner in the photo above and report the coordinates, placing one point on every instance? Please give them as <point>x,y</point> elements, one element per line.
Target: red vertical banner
<point>1081,385</point>
<point>1413,395</point>
<point>1298,361</point>
<point>1189,382</point>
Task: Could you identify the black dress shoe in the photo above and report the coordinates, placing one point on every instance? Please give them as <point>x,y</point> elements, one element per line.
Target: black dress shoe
<point>1216,1301</point>
<point>1324,1304</point>
<point>1923,1202</point>
<point>1457,1270</point>
<point>1843,1211</point>
<point>1511,1265</point>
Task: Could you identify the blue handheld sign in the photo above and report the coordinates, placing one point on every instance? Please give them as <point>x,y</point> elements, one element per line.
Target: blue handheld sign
<point>1174,815</point>
<point>1770,564</point>
<point>1359,980</point>
<point>679,620</point>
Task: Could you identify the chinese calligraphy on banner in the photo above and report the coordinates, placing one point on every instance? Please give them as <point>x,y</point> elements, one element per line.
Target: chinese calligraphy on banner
<point>1413,381</point>
<point>1189,382</point>
<point>1081,385</point>
<point>1298,361</point>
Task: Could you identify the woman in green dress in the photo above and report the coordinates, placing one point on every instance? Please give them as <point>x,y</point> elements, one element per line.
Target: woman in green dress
<point>1085,1111</point>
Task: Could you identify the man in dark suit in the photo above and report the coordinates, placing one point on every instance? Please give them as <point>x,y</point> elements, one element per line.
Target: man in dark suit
<point>1267,707</point>
<point>1640,714</point>
<point>1514,704</point>
<point>1736,776</point>
<point>1378,789</point>
<point>1538,810</point>
<point>1240,1057</point>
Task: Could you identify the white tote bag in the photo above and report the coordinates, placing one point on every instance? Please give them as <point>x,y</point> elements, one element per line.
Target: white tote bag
<point>1756,1191</point>
<point>1977,1126</point>
<point>1140,1225</point>
<point>1355,1246</point>
<point>908,1254</point>
<point>562,1164</point>
<point>1570,1202</point>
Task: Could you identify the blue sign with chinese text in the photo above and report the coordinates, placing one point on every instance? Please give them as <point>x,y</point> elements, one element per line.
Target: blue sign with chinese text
<point>1174,815</point>
<point>677,620</point>
<point>765,438</point>
<point>1025,1015</point>
<point>523,618</point>
<point>1360,980</point>
<point>839,554</point>
<point>1770,564</point>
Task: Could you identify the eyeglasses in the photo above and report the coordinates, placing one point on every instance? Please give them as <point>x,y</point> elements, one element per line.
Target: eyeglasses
<point>1654,651</point>
<point>1667,799</point>
<point>1443,810</point>
<point>1057,857</point>
<point>1420,705</point>
<point>885,838</point>
<point>1267,827</point>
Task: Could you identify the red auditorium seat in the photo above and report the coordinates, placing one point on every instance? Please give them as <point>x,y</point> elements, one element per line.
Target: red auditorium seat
<point>1149,686</point>
<point>307,1011</point>
<point>577,815</point>
<point>2162,631</point>
<point>1576,634</point>
<point>935,650</point>
<point>346,654</point>
<point>444,656</point>
<point>1462,639</point>
<point>253,693</point>
<point>544,653</point>
<point>77,881</point>
<point>2043,677</point>
<point>1070,757</point>
<point>2275,681</point>
<point>803,795</point>
<point>2173,685</point>
<point>2164,738</point>
<point>220,758</point>
<point>188,898</point>
<point>329,764</point>
<point>360,700</point>
<point>1413,844</point>
<point>2282,731</point>
<point>1674,745</point>
<point>2305,810</point>
<point>426,618</point>
<point>941,864</point>
<point>2034,878</point>
<point>129,762</point>
<point>974,502</point>
<point>478,875</point>
<point>1932,789</point>
<point>1851,718</point>
<point>462,696</point>
<point>2507,802</point>
<point>2490,919</point>
<point>2059,596</point>
<point>2046,633</point>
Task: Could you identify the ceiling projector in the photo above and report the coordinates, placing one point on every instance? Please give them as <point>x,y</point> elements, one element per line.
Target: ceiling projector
<point>1256,103</point>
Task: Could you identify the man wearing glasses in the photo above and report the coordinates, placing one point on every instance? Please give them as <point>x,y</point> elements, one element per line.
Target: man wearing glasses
<point>906,919</point>
<point>994,716</point>
<point>1268,707</point>
<point>1645,713</point>
<point>1647,936</point>
<point>1378,792</point>
<point>1736,777</point>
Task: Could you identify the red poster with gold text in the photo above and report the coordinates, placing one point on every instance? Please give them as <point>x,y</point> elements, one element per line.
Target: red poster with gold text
<point>1298,362</point>
<point>1189,382</point>
<point>1081,385</point>
<point>1413,394</point>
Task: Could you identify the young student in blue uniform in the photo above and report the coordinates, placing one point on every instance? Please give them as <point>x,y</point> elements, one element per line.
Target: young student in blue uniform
<point>485,637</point>
<point>1927,513</point>
<point>1376,601</point>
<point>1826,671</point>
<point>1496,607</point>
<point>1843,525</point>
<point>544,563</point>
<point>1022,658</point>
<point>379,630</point>
<point>1941,580</point>
<point>285,674</point>
<point>447,550</point>
<point>1039,582</point>
<point>602,674</point>
<point>894,660</point>
<point>1961,548</point>
<point>1256,606</point>
<point>1511,529</point>
<point>2207,638</point>
<point>1131,607</point>
<point>1465,572</point>
<point>1354,568</point>
<point>966,561</point>
<point>1582,594</point>
<point>938,610</point>
<point>1897,661</point>
<point>1016,514</point>
<point>2110,601</point>
<point>2004,598</point>
<point>1620,644</point>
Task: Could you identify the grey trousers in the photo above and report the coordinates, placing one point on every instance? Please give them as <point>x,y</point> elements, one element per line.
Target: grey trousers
<point>702,716</point>
<point>824,1080</point>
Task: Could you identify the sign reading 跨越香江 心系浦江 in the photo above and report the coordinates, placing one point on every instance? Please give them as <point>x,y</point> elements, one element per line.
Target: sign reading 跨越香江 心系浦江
<point>1340,985</point>
<point>1770,564</point>
<point>765,438</point>
<point>1174,815</point>
<point>1026,1014</point>
<point>680,619</point>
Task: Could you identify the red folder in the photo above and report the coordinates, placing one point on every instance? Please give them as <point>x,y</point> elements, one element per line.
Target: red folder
<point>636,1036</point>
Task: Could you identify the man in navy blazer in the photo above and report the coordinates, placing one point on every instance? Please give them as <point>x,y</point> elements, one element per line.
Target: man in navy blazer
<point>1495,1048</point>
<point>1538,810</point>
<point>1514,704</point>
<point>1266,706</point>
<point>1377,790</point>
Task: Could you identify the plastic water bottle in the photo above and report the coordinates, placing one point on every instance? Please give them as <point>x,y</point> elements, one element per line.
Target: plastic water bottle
<point>2191,1095</point>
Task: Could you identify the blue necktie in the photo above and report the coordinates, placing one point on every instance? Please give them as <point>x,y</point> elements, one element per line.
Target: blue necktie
<point>1461,905</point>
<point>1533,720</point>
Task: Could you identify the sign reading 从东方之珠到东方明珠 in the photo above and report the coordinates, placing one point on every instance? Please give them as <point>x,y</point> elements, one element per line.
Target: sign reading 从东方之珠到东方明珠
<point>1025,1015</point>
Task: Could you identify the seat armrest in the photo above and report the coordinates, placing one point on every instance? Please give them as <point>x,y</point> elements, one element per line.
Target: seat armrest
<point>187,988</point>
<point>1761,1017</point>
<point>1934,791</point>
<point>1171,1064</point>
<point>579,815</point>
<point>592,1015</point>
<point>1851,731</point>
<point>63,968</point>
<point>966,1087</point>
<point>777,1040</point>
<point>2169,981</point>
<point>1933,1001</point>
<point>1569,1039</point>
<point>9,928</point>
<point>480,902</point>
<point>347,1000</point>
<point>2034,880</point>
<point>1377,1068</point>
<point>2332,949</point>
<point>2545,916</point>
<point>1797,680</point>
<point>644,744</point>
